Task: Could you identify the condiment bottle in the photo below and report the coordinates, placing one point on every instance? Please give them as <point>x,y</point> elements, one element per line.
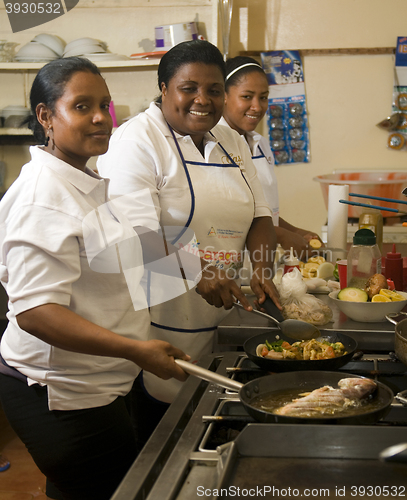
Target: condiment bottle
<point>364,259</point>
<point>394,268</point>
<point>291,262</point>
<point>373,219</point>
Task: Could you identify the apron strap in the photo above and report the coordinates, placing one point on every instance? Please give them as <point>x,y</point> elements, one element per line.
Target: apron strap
<point>191,189</point>
<point>261,155</point>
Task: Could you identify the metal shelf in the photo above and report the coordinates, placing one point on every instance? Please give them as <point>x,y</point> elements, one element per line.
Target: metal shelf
<point>15,131</point>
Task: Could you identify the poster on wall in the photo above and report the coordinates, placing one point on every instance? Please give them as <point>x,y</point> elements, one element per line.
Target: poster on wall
<point>287,112</point>
<point>398,121</point>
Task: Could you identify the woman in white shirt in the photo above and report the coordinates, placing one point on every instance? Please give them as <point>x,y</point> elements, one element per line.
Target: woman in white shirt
<point>78,322</point>
<point>197,180</point>
<point>246,103</point>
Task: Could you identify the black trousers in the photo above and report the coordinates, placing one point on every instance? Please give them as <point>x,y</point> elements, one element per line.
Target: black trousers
<point>83,453</point>
<point>146,412</point>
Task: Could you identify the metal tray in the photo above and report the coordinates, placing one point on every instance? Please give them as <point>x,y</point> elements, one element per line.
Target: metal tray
<point>324,458</point>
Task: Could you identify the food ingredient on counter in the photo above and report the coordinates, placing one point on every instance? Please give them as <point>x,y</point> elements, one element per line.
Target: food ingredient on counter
<point>352,393</point>
<point>392,295</point>
<point>315,244</point>
<point>298,304</point>
<point>380,298</point>
<point>317,267</point>
<point>374,284</point>
<point>353,295</point>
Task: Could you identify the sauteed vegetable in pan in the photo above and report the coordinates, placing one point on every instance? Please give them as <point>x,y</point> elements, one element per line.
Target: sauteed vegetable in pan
<point>344,348</point>
<point>310,349</point>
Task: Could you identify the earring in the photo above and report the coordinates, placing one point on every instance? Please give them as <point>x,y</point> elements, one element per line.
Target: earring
<point>46,141</point>
<point>50,132</point>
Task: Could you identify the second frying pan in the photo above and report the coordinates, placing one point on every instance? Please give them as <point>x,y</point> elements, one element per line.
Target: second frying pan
<point>287,365</point>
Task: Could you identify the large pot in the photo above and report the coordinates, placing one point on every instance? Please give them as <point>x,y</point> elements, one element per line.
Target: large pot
<point>400,336</point>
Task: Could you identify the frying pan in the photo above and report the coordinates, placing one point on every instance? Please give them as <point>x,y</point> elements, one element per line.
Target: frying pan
<point>304,381</point>
<point>287,365</point>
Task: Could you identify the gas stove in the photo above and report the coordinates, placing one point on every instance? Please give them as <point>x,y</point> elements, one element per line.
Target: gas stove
<point>206,443</point>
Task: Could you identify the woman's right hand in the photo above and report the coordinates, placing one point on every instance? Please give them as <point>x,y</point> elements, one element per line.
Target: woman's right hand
<point>219,290</point>
<point>157,357</point>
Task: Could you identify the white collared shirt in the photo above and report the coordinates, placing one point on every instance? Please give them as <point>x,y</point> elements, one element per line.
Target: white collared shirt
<point>45,221</point>
<point>142,155</point>
<point>264,167</point>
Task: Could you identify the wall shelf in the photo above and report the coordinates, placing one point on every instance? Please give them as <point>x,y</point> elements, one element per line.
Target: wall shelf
<point>332,52</point>
<point>15,131</point>
<point>35,66</point>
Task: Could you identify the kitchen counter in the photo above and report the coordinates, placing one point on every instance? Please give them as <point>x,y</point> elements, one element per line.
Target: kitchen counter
<point>239,325</point>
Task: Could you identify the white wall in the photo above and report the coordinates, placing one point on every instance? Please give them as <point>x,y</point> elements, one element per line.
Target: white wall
<point>347,95</point>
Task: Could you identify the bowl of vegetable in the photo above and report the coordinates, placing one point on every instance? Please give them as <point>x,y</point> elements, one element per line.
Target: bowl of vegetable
<point>357,305</point>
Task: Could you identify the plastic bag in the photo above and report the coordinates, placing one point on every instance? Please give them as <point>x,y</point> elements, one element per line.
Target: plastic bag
<point>298,304</point>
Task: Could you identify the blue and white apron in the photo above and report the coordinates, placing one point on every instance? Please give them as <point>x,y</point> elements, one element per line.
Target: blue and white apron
<point>268,179</point>
<point>221,213</point>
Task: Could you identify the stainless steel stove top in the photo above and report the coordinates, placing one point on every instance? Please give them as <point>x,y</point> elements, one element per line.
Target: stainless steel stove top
<point>207,441</point>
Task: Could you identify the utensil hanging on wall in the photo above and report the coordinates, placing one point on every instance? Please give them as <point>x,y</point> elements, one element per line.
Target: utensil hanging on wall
<point>379,198</point>
<point>225,17</point>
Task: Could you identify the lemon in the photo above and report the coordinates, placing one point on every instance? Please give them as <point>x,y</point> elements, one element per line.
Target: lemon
<point>309,273</point>
<point>314,243</point>
<point>311,265</point>
<point>318,260</point>
<point>393,296</point>
<point>380,298</point>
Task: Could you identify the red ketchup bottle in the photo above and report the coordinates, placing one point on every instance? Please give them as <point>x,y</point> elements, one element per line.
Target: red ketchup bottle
<point>394,268</point>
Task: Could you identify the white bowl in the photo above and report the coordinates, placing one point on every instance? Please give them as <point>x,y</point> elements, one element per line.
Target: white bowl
<point>51,41</point>
<point>36,49</point>
<point>84,49</point>
<point>84,41</point>
<point>368,312</point>
<point>14,110</point>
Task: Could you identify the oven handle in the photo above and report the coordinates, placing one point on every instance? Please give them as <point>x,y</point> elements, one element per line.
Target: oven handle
<point>209,376</point>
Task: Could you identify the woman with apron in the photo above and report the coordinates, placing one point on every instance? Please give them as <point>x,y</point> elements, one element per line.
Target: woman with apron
<point>246,103</point>
<point>196,180</point>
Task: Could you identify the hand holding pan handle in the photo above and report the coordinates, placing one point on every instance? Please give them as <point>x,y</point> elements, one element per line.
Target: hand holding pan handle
<point>209,376</point>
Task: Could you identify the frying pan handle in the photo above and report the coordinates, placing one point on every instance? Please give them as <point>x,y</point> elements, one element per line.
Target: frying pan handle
<point>390,317</point>
<point>208,375</point>
<point>402,397</point>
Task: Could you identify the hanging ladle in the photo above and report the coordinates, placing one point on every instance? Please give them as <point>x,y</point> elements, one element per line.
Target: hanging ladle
<point>292,328</point>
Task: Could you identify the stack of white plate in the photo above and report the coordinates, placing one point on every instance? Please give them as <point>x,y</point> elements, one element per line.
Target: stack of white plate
<point>42,48</point>
<point>14,115</point>
<point>83,46</point>
<point>92,49</point>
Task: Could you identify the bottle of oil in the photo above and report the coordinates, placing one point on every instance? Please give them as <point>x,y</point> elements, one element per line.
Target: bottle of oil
<point>373,219</point>
<point>364,259</point>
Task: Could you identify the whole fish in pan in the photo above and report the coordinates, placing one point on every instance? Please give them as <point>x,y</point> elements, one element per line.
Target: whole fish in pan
<point>328,400</point>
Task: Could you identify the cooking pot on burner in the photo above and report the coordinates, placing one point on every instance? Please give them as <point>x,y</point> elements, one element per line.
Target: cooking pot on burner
<point>400,336</point>
<point>304,381</point>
